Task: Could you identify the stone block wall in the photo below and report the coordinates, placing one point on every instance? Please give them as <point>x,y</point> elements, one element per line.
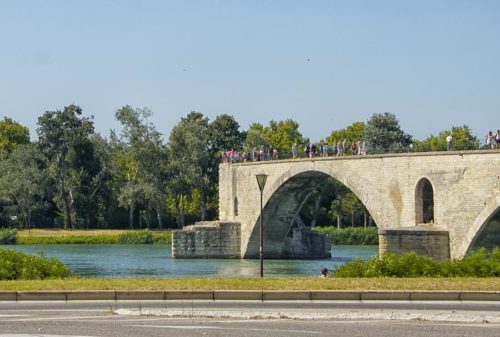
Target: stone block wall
<point>423,240</point>
<point>211,239</point>
<point>305,243</point>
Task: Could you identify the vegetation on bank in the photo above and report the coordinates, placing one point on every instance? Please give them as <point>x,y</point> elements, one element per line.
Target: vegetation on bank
<point>266,283</point>
<point>20,266</point>
<point>477,264</point>
<point>41,236</point>
<point>351,235</point>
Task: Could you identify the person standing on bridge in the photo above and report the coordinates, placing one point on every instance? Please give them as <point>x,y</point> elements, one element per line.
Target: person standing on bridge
<point>449,142</point>
<point>340,149</point>
<point>490,140</point>
<point>294,151</point>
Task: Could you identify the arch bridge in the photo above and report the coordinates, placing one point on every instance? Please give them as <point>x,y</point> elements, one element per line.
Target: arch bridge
<point>454,193</point>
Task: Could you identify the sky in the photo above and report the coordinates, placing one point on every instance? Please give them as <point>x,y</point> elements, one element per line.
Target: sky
<point>325,64</point>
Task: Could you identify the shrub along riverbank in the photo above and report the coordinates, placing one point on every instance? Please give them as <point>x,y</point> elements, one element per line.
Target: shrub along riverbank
<point>351,235</point>
<point>477,264</point>
<point>41,236</point>
<point>20,266</point>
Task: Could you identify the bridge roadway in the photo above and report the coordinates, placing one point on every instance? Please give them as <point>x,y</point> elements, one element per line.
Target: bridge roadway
<point>456,192</point>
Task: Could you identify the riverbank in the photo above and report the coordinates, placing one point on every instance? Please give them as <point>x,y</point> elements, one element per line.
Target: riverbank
<point>339,236</point>
<point>91,236</point>
<point>304,283</point>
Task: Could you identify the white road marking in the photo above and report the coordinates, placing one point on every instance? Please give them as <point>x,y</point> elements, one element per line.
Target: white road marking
<point>205,327</point>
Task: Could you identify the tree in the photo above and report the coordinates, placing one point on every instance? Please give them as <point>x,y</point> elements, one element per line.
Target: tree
<point>225,133</point>
<point>22,181</point>
<point>12,134</point>
<point>463,139</point>
<point>64,137</point>
<point>190,155</point>
<point>383,134</point>
<point>283,134</point>
<point>255,137</point>
<point>352,133</point>
<point>92,188</point>
<point>139,163</point>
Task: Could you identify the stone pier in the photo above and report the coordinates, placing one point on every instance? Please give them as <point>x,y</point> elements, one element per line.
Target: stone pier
<point>424,240</point>
<point>211,239</point>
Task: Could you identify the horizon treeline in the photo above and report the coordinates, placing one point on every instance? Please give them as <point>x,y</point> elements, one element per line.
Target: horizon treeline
<point>73,177</point>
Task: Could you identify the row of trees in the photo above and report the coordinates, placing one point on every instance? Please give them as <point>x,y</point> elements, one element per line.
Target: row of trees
<point>72,177</point>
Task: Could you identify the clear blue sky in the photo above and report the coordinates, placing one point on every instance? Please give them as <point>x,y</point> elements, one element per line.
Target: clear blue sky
<point>325,64</point>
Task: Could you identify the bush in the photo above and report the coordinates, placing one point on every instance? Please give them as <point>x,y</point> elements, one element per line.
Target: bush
<point>162,237</point>
<point>8,236</point>
<point>145,237</point>
<point>137,237</point>
<point>351,235</point>
<point>477,264</point>
<point>20,266</point>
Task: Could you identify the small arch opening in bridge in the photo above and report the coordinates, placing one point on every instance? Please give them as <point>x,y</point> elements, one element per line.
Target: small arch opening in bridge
<point>424,202</point>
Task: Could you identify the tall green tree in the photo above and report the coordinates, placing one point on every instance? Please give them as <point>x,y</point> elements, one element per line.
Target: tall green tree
<point>225,134</point>
<point>139,158</point>
<point>22,181</point>
<point>191,155</point>
<point>463,139</point>
<point>92,182</point>
<point>384,134</point>
<point>64,137</point>
<point>12,134</point>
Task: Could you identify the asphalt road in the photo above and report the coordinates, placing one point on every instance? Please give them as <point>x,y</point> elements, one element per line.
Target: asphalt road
<point>205,318</point>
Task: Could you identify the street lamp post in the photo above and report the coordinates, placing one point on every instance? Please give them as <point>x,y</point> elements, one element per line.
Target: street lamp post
<point>261,181</point>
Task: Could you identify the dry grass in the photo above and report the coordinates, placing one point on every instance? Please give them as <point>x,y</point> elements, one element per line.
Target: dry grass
<point>70,232</point>
<point>307,283</point>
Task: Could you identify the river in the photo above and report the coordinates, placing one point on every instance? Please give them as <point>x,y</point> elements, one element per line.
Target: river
<point>155,261</point>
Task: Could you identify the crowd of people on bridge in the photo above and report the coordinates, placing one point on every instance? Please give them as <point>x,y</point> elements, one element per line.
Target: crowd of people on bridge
<point>323,149</point>
<point>337,149</point>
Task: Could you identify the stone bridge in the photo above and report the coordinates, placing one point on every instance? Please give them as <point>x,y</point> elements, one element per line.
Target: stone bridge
<point>455,193</point>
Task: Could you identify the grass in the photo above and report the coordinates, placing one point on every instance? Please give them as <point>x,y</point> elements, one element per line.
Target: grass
<point>305,283</point>
<point>70,232</point>
<point>92,236</point>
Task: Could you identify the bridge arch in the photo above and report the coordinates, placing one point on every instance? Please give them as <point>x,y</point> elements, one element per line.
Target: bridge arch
<point>285,198</point>
<point>424,201</point>
<point>485,231</point>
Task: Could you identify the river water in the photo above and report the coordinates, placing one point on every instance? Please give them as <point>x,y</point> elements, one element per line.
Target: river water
<point>155,261</point>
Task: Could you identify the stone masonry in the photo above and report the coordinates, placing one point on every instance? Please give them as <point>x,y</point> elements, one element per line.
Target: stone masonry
<point>465,187</point>
<point>214,239</point>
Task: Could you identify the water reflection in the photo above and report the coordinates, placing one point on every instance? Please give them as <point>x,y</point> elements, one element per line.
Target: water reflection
<point>154,261</point>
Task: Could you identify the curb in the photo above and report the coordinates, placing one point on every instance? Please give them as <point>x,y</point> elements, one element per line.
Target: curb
<point>248,295</point>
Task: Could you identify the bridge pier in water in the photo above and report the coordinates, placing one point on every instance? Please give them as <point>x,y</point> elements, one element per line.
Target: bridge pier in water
<point>222,240</point>
<point>424,240</point>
